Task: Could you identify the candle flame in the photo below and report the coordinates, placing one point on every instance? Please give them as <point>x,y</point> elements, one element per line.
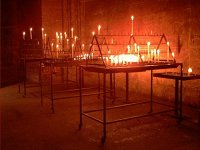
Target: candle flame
<point>132,17</point>
<point>24,33</point>
<point>93,33</point>
<point>148,43</point>
<point>173,55</point>
<point>189,70</point>
<point>31,29</point>
<point>168,43</point>
<point>42,29</point>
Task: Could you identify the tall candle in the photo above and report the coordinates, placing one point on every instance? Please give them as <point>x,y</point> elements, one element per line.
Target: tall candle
<point>99,29</point>
<point>45,38</point>
<point>173,55</point>
<point>65,35</point>
<point>148,49</point>
<point>72,50</point>
<point>167,51</point>
<point>138,47</point>
<point>72,30</point>
<point>128,47</point>
<point>24,34</point>
<point>31,36</point>
<point>52,46</point>
<point>83,46</point>
<point>132,18</point>
<point>135,47</point>
<point>57,49</point>
<point>158,53</point>
<point>42,33</point>
<point>154,55</point>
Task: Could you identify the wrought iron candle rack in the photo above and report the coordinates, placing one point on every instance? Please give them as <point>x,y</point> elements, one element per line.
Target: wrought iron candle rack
<point>129,50</point>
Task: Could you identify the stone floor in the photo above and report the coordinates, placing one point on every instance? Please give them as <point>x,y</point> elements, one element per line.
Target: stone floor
<point>26,125</point>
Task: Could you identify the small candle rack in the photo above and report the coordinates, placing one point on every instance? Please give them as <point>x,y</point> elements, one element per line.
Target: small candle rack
<point>129,50</point>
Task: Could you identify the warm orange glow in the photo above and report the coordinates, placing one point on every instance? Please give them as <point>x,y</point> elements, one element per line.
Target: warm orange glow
<point>189,70</point>
<point>99,29</point>
<point>121,59</point>
<point>173,55</point>
<point>132,17</point>
<point>24,33</point>
<point>72,29</point>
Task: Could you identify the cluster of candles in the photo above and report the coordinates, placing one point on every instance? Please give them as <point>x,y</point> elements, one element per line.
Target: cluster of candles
<point>60,44</point>
<point>30,33</point>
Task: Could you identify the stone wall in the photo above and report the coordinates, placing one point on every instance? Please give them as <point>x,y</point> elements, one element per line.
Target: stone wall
<point>178,19</point>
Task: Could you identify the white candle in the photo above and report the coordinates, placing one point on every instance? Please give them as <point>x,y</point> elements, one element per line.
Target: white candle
<point>154,55</point>
<point>167,51</point>
<point>135,45</point>
<point>83,46</point>
<point>132,18</point>
<point>51,46</point>
<point>173,55</point>
<point>42,33</point>
<point>72,30</point>
<point>65,35</point>
<point>189,71</point>
<point>31,36</point>
<point>57,49</point>
<point>67,42</point>
<point>75,37</point>
<point>138,47</point>
<point>93,33</point>
<point>24,34</point>
<point>72,50</point>
<point>45,38</point>
<point>128,47</point>
<point>158,52</point>
<point>148,49</point>
<point>99,29</point>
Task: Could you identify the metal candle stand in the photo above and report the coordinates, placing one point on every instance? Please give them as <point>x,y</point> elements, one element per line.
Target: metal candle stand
<point>30,53</point>
<point>98,65</point>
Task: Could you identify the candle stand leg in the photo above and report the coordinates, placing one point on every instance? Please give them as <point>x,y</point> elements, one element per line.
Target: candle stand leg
<point>151,98</point>
<point>104,108</point>
<point>80,92</point>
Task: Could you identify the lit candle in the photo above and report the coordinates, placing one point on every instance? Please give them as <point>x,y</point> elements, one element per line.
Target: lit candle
<point>189,71</point>
<point>148,48</point>
<point>128,47</point>
<point>93,33</point>
<point>67,42</point>
<point>75,37</point>
<point>24,34</point>
<point>57,49</point>
<point>167,51</point>
<point>45,38</point>
<point>158,52</point>
<point>72,30</point>
<point>83,46</point>
<point>65,35</point>
<point>42,33</point>
<point>52,46</point>
<point>173,55</point>
<point>31,36</point>
<point>132,18</point>
<point>135,45</point>
<point>99,29</point>
<point>154,55</point>
<point>138,47</point>
<point>72,50</point>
